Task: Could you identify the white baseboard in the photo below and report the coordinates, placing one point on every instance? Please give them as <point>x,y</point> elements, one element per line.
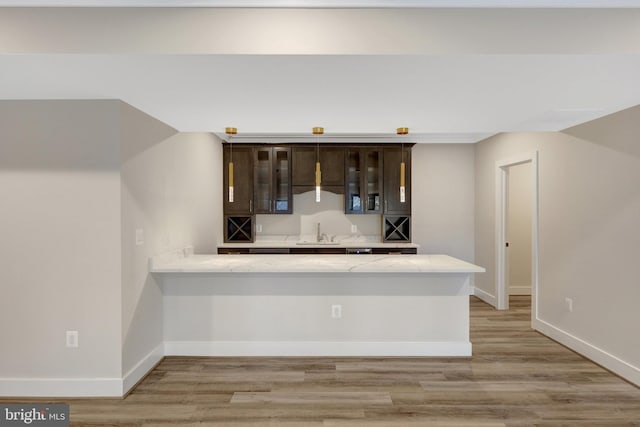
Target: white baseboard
<point>625,370</point>
<point>61,387</point>
<point>142,368</point>
<point>520,290</point>
<point>315,348</point>
<point>485,296</point>
<point>81,387</point>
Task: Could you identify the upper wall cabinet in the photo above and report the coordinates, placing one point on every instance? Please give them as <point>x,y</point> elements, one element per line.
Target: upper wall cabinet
<point>265,177</point>
<point>393,157</point>
<point>331,166</point>
<point>242,180</point>
<point>272,180</point>
<point>363,180</point>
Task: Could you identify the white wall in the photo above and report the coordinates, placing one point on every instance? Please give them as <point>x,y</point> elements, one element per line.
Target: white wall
<point>60,243</point>
<point>171,189</point>
<point>589,236</point>
<point>442,199</point>
<point>519,228</point>
<point>291,314</point>
<point>77,178</point>
<point>329,212</point>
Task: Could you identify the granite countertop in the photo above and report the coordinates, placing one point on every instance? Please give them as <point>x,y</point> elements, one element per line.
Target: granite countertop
<point>311,264</point>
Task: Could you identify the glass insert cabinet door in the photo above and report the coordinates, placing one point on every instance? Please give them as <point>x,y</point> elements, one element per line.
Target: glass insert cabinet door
<point>282,181</point>
<point>272,180</point>
<point>363,181</point>
<point>353,197</point>
<point>262,180</point>
<point>374,181</point>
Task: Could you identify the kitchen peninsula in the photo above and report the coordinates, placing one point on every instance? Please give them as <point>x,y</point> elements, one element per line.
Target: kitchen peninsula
<point>287,280</point>
<point>320,305</point>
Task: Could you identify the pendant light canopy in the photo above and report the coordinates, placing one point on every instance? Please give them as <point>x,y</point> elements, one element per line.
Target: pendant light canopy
<point>403,197</point>
<point>317,131</point>
<point>230,132</point>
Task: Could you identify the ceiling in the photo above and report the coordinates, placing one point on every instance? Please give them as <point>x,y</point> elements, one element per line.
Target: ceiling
<point>324,3</point>
<point>450,76</point>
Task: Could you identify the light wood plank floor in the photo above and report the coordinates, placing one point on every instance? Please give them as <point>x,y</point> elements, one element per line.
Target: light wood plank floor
<point>516,377</point>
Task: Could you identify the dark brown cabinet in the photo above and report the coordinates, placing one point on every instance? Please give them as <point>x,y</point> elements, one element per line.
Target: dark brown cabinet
<point>272,192</point>
<point>247,250</point>
<point>363,180</point>
<point>266,177</point>
<point>242,177</point>
<point>393,156</point>
<point>331,165</point>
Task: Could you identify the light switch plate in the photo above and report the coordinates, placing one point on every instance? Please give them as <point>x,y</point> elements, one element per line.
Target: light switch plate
<point>139,236</point>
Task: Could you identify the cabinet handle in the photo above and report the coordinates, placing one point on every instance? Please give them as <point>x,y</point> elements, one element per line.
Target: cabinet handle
<point>250,206</point>
<point>386,206</point>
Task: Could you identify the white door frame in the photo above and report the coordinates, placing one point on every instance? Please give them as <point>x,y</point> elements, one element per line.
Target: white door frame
<point>502,180</point>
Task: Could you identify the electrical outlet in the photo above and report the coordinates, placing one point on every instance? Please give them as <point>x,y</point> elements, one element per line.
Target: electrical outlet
<point>354,228</point>
<point>72,339</point>
<point>336,311</point>
<point>569,302</point>
<point>258,228</point>
<point>139,236</point>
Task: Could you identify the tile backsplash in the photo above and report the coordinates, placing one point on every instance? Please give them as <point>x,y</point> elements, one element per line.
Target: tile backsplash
<point>329,212</point>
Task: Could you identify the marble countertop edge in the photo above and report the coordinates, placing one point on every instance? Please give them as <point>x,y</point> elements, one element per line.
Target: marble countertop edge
<point>313,264</point>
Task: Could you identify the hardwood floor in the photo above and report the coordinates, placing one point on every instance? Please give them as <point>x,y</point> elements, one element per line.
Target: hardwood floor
<point>516,377</point>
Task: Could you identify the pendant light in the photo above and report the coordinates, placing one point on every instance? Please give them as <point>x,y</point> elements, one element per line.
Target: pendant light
<point>317,131</point>
<point>403,199</point>
<point>230,132</point>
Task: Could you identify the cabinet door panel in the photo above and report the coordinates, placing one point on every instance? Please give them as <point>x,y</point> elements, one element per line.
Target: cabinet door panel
<point>353,182</point>
<point>331,165</point>
<point>242,177</point>
<point>393,156</point>
<point>263,180</point>
<point>363,180</point>
<point>304,164</point>
<point>374,181</point>
<point>282,194</point>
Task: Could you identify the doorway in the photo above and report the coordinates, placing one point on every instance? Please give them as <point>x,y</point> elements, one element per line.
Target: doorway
<point>517,229</point>
<point>518,237</point>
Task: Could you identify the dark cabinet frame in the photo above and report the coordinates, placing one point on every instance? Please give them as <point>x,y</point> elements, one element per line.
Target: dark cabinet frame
<point>272,180</point>
<point>301,178</point>
<point>392,158</point>
<point>363,180</point>
<point>243,180</point>
<point>304,159</point>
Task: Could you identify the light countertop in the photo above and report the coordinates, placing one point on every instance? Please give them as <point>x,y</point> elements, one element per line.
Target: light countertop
<point>318,245</point>
<point>312,264</point>
<point>308,241</point>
